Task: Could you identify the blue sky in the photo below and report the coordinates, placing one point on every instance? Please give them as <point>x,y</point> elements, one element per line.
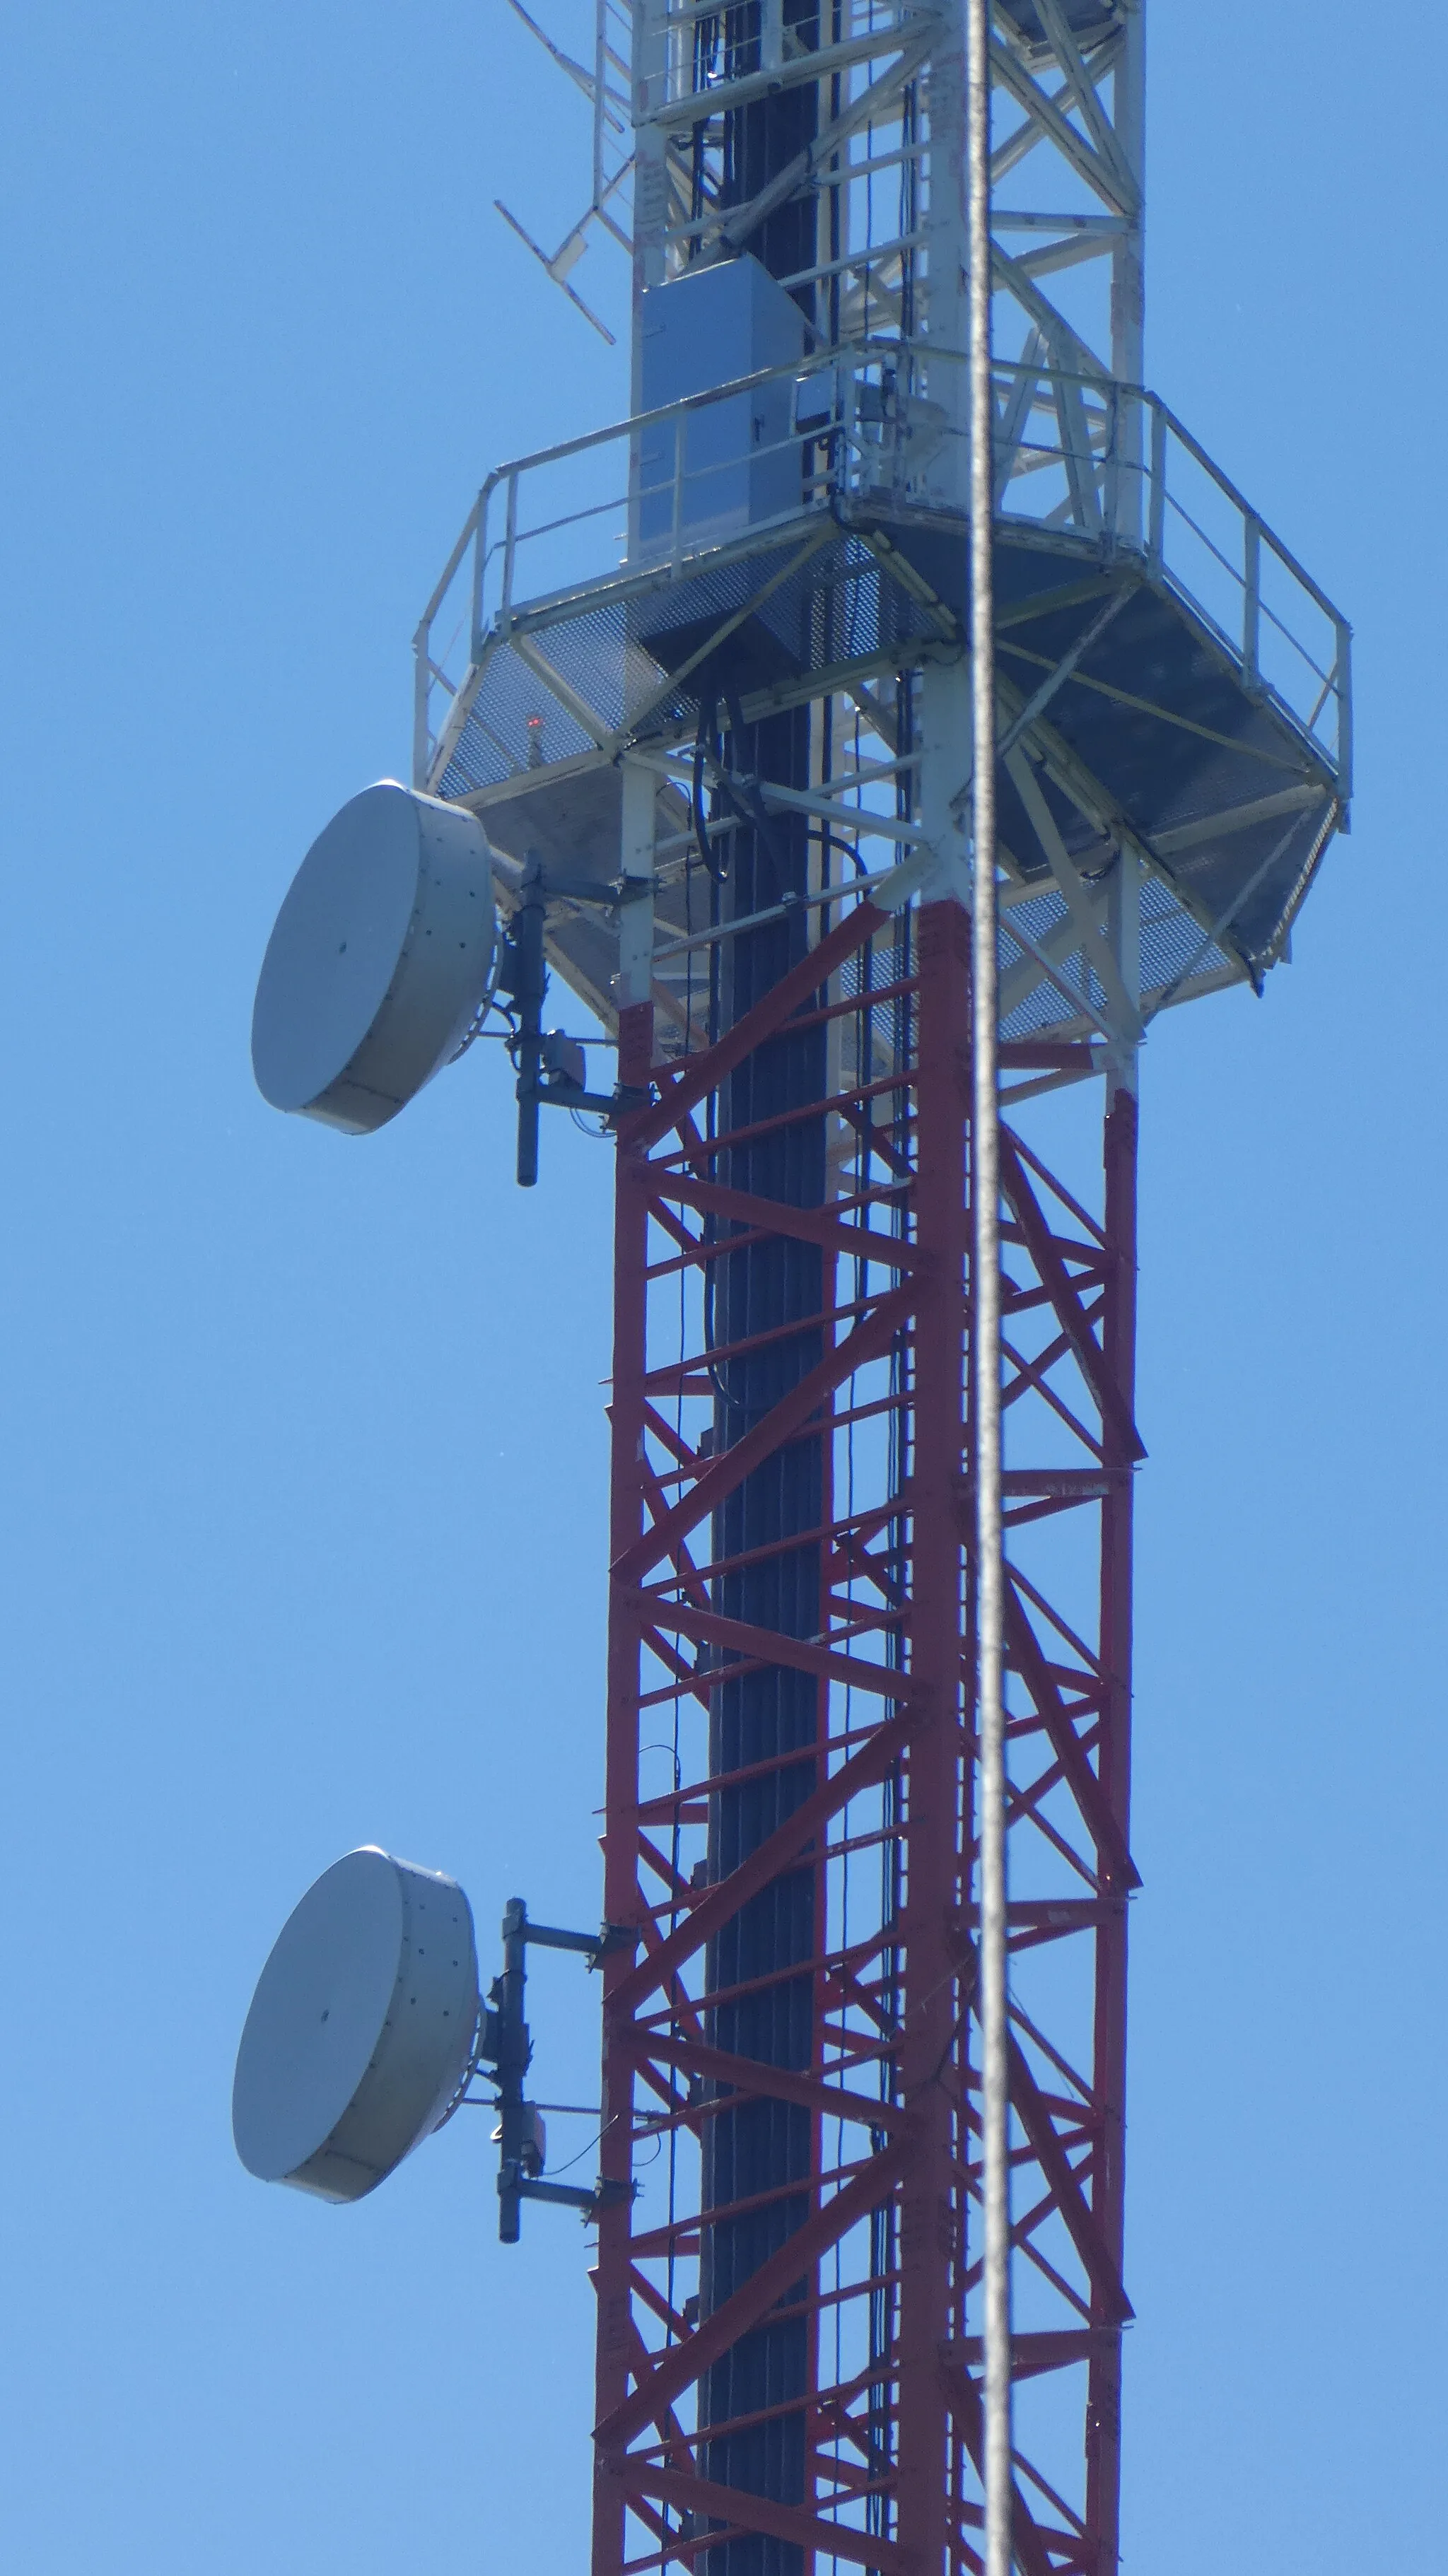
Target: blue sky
<point>303,1442</point>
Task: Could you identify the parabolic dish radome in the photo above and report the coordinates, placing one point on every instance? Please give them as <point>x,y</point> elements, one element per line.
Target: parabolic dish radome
<point>360,2028</point>
<point>379,958</point>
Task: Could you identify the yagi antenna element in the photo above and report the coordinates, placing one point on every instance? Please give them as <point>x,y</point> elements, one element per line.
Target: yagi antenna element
<point>379,960</point>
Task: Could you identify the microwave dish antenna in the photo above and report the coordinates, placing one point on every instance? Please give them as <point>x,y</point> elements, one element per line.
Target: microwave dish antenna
<point>361,2029</point>
<point>379,961</point>
<point>367,2030</point>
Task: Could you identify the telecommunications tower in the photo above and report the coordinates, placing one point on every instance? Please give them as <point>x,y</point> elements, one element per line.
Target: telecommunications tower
<point>712,714</point>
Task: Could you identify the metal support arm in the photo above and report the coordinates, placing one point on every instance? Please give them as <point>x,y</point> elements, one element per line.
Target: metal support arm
<point>507,2046</point>
<point>542,1082</point>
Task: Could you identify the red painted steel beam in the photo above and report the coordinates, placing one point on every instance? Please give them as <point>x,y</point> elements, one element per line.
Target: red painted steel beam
<point>1026,1657</point>
<point>614,2347</point>
<point>735,2508</point>
<point>963,2396</point>
<point>868,1341</point>
<point>681,2364</point>
<point>805,1224</point>
<point>768,1862</point>
<point>930,2224</point>
<point>1046,1254</point>
<point>895,1736</point>
<point>1103,2405</point>
<point>771,2083</point>
<point>741,1637</point>
<point>683,1090</point>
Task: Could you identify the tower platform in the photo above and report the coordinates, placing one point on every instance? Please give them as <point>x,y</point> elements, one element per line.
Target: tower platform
<point>1171,683</point>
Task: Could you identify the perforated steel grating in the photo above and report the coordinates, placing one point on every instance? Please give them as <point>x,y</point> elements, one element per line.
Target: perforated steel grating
<point>835,607</point>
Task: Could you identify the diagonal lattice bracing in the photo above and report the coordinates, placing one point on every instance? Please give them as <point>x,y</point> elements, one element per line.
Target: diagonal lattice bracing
<point>846,2248</point>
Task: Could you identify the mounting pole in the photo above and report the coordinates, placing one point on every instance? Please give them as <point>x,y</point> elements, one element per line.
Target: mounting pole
<point>529,985</point>
<point>543,1058</point>
<point>514,2051</point>
<point>985,1341</point>
<point>510,2050</point>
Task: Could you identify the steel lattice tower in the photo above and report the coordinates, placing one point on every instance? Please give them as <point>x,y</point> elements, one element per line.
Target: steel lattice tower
<point>753,728</point>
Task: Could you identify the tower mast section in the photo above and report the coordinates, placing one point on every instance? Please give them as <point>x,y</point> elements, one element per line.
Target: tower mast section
<point>717,665</point>
<point>877,729</point>
<point>985,1311</point>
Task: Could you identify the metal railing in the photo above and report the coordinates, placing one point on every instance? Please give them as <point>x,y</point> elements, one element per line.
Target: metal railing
<point>1095,464</point>
<point>684,60</point>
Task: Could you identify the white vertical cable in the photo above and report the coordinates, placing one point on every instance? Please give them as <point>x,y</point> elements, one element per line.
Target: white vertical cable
<point>986,1328</point>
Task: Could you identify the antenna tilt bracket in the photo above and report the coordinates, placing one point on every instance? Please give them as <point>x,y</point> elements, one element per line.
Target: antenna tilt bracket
<point>592,1947</point>
<point>507,2046</point>
<point>548,1065</point>
<point>566,2195</point>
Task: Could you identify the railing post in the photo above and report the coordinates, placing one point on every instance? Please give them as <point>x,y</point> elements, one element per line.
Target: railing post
<point>681,431</point>
<point>600,97</point>
<point>1342,677</point>
<point>421,731</point>
<point>480,558</point>
<point>1156,517</point>
<point>510,549</point>
<point>1111,468</point>
<point>1252,596</point>
<point>1131,514</point>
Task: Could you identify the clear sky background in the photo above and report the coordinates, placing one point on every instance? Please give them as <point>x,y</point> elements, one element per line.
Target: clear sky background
<point>303,1445</point>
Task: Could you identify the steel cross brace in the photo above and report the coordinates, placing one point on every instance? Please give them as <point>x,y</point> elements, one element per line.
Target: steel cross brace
<point>655,2018</point>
